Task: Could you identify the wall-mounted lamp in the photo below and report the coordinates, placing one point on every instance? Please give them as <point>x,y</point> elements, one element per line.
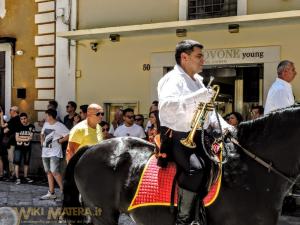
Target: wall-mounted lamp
<point>21,93</point>
<point>114,37</point>
<point>94,46</point>
<point>180,32</point>
<point>233,28</point>
<point>19,52</point>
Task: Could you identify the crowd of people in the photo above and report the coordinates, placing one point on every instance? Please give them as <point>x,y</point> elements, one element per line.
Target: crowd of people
<point>59,142</point>
<point>179,92</point>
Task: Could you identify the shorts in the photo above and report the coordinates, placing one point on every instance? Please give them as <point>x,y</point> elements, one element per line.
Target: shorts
<point>52,164</point>
<point>22,154</point>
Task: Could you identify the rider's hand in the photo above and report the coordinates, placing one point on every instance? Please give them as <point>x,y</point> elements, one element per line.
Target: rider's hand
<point>209,95</point>
<point>230,132</point>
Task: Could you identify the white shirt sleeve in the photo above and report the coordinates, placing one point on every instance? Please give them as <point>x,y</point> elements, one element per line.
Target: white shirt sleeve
<point>178,99</point>
<point>213,122</point>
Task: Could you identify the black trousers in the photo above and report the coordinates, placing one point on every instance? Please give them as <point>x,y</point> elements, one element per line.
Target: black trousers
<point>193,166</point>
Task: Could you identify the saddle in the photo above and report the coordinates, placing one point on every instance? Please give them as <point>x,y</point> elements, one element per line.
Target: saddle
<point>156,184</point>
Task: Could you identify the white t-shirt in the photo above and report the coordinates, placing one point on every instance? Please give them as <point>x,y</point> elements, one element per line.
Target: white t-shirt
<point>133,131</point>
<point>179,96</point>
<point>52,133</point>
<point>280,95</point>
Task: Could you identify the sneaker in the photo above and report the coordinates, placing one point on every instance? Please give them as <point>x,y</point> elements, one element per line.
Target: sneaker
<point>18,181</point>
<point>48,196</point>
<point>28,180</point>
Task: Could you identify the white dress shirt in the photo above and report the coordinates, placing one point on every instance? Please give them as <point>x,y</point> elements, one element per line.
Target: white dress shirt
<point>179,96</point>
<point>279,96</point>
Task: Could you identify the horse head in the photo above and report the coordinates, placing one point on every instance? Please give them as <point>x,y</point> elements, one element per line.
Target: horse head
<point>275,138</point>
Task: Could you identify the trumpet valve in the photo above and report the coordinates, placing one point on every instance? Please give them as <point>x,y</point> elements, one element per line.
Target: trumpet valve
<point>210,106</point>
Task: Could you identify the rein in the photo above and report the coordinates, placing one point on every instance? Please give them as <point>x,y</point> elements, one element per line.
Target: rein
<point>269,166</point>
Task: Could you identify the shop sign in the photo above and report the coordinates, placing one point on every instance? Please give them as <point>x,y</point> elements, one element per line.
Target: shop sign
<point>241,55</point>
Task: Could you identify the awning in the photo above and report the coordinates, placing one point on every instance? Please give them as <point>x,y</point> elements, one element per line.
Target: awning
<point>254,20</point>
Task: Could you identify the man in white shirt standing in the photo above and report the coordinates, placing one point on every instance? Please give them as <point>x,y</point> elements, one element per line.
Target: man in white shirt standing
<point>179,92</point>
<point>280,94</point>
<point>53,134</point>
<point>129,128</point>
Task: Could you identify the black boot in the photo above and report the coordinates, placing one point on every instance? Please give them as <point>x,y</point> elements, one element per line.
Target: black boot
<point>200,213</point>
<point>186,206</point>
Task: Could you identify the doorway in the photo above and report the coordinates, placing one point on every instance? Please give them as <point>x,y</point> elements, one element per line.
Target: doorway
<point>241,87</point>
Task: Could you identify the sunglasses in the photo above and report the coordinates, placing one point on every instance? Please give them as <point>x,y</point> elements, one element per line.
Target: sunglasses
<point>99,113</point>
<point>138,119</point>
<point>130,117</point>
<point>68,106</point>
<point>105,129</point>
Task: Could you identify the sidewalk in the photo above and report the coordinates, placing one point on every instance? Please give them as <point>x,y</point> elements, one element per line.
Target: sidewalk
<point>25,199</point>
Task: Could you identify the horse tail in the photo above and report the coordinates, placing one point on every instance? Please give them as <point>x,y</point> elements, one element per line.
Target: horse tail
<point>70,190</point>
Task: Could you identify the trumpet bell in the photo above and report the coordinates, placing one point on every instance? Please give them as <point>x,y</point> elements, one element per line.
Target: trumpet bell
<point>187,143</point>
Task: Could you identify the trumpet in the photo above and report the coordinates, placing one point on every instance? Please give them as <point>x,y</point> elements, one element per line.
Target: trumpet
<point>200,116</point>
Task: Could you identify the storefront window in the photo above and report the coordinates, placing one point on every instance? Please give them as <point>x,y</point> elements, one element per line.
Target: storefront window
<point>112,108</point>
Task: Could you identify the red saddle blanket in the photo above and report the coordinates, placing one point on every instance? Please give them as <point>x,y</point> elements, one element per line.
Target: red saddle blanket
<point>155,186</point>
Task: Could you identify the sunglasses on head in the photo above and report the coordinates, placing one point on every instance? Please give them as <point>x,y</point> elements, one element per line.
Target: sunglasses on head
<point>99,113</point>
<point>105,129</point>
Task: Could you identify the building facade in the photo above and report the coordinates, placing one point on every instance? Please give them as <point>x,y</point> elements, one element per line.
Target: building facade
<point>33,71</point>
<point>17,55</point>
<point>124,48</point>
<point>114,52</point>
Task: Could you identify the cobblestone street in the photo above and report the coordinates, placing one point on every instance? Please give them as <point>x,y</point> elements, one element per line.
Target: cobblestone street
<point>25,198</point>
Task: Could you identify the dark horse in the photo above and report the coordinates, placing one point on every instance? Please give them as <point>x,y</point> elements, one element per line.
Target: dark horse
<point>107,175</point>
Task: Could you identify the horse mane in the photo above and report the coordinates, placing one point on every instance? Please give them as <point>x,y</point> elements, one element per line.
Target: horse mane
<point>261,128</point>
<point>252,135</point>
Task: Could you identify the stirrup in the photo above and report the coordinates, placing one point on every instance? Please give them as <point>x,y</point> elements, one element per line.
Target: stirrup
<point>195,223</point>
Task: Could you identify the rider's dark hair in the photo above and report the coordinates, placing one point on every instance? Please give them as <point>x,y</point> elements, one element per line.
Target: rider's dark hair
<point>185,46</point>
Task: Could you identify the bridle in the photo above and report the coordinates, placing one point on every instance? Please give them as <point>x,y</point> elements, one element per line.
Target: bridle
<point>269,166</point>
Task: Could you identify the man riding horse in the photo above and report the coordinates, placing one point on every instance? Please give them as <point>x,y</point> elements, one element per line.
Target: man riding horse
<point>180,92</point>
